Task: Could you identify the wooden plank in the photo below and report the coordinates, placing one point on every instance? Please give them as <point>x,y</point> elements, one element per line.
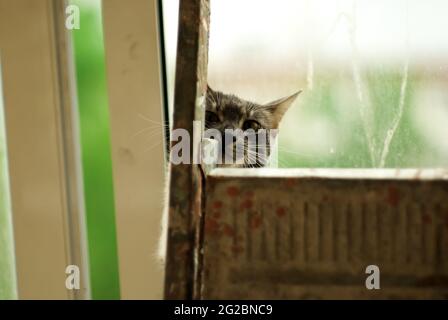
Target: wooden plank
<point>428,217</point>
<point>327,228</point>
<point>365,212</point>
<point>254,234</point>
<point>416,243</point>
<point>339,174</point>
<point>186,179</point>
<point>312,216</point>
<point>356,239</point>
<point>283,232</point>
<point>43,148</point>
<point>137,138</point>
<point>371,233</point>
<point>384,216</point>
<point>299,231</point>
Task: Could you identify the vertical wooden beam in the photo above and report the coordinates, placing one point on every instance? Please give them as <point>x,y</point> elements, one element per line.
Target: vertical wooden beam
<point>136,105</point>
<point>43,148</point>
<point>185,179</point>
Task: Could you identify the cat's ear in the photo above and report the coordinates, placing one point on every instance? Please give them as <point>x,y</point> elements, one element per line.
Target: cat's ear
<point>211,97</point>
<point>279,107</point>
<point>210,90</point>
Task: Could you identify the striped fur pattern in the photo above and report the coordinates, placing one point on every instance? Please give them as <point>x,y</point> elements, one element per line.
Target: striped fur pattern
<point>244,118</point>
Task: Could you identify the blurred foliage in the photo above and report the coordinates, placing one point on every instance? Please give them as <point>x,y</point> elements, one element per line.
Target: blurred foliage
<point>96,151</point>
<point>325,102</point>
<point>8,289</point>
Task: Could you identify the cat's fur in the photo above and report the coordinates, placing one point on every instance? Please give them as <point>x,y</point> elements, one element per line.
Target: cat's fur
<point>227,111</point>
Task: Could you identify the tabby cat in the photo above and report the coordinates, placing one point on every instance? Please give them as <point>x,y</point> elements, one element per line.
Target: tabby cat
<point>228,113</point>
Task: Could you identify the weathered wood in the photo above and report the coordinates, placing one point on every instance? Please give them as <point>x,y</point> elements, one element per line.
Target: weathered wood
<point>185,179</point>
<point>333,229</point>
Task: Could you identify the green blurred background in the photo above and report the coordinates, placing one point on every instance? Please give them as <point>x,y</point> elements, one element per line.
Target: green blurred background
<point>8,289</point>
<point>336,51</point>
<point>96,152</point>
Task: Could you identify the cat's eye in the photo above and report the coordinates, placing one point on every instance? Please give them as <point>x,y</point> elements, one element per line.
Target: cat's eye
<point>211,117</point>
<point>251,124</point>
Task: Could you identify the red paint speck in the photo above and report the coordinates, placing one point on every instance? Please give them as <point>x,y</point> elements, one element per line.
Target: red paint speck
<point>232,191</point>
<point>393,196</point>
<point>211,226</point>
<point>228,230</point>
<point>255,222</point>
<point>426,219</point>
<point>280,212</point>
<point>217,204</point>
<point>237,249</point>
<point>246,204</point>
<point>290,183</point>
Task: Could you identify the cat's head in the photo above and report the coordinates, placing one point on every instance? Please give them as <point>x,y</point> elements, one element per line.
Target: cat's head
<point>229,112</point>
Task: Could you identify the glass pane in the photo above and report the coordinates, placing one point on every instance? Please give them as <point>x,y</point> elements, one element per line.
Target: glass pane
<point>8,289</point>
<point>170,11</point>
<point>374,75</point>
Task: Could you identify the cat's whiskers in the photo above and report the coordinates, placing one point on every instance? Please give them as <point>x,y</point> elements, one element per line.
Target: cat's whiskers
<point>152,121</point>
<point>254,158</point>
<point>154,128</point>
<point>151,147</point>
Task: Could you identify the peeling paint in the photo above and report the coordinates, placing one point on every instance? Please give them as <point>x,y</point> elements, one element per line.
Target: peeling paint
<point>393,196</point>
<point>323,232</point>
<point>233,191</point>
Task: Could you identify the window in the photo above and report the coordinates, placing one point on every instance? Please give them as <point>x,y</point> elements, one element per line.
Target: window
<point>373,74</point>
<point>86,173</point>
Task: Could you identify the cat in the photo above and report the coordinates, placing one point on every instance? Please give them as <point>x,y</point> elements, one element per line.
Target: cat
<point>244,119</point>
<point>227,111</point>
